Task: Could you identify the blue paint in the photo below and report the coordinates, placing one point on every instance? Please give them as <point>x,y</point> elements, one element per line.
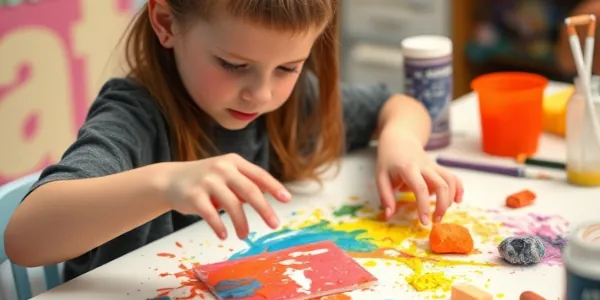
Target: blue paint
<point>287,238</point>
<point>241,288</point>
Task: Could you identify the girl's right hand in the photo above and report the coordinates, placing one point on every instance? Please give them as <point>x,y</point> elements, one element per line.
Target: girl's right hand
<point>225,181</point>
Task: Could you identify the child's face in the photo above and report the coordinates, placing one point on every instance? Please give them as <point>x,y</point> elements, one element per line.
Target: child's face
<point>236,71</point>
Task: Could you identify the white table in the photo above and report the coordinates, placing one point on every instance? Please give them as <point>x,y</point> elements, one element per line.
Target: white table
<point>139,275</point>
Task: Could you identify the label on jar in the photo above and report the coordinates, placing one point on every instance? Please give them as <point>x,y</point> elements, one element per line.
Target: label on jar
<point>581,288</point>
<point>430,81</point>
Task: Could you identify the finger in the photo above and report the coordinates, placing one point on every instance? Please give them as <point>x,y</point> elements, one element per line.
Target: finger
<point>452,182</point>
<point>441,188</point>
<point>264,180</point>
<point>460,191</point>
<point>414,179</point>
<point>230,203</point>
<point>386,193</point>
<point>208,212</point>
<point>247,190</point>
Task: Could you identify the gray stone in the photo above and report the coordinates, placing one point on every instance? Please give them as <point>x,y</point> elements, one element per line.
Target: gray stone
<point>524,250</point>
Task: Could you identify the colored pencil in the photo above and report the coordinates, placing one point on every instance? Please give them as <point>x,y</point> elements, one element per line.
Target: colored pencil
<point>518,171</point>
<point>541,163</point>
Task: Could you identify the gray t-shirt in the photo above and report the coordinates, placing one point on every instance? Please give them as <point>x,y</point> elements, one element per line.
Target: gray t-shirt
<point>125,129</point>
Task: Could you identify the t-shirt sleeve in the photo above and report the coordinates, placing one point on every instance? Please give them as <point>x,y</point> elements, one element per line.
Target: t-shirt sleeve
<point>117,135</point>
<point>361,104</point>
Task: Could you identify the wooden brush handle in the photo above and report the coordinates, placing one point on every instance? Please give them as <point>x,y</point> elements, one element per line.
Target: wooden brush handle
<point>587,19</point>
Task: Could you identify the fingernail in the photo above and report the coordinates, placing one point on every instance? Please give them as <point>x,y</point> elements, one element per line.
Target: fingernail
<point>424,219</point>
<point>438,219</point>
<point>388,212</point>
<point>274,221</point>
<point>222,235</point>
<point>285,195</point>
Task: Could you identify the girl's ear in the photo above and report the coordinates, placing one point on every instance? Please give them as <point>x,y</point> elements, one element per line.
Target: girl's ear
<point>162,21</point>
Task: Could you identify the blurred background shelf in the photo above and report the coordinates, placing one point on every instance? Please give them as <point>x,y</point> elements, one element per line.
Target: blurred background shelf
<point>488,36</point>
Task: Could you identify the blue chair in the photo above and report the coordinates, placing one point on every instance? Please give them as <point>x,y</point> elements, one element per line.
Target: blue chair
<point>11,195</point>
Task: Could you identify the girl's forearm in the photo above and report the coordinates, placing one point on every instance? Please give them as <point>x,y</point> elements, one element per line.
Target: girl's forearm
<point>68,218</point>
<point>407,117</point>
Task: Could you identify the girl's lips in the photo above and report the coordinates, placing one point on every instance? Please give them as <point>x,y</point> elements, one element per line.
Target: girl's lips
<point>242,115</point>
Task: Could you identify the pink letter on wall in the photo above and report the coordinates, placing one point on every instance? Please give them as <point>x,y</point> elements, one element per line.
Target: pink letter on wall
<point>55,54</point>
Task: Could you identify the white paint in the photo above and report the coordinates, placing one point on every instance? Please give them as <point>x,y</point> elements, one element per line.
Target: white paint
<point>297,275</point>
<point>289,262</point>
<point>391,253</point>
<point>307,253</point>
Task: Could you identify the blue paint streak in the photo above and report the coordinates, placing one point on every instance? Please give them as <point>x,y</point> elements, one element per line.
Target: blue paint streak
<point>287,238</point>
<point>241,288</point>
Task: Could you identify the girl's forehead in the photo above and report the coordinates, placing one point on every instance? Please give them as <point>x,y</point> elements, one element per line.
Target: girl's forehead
<point>252,40</point>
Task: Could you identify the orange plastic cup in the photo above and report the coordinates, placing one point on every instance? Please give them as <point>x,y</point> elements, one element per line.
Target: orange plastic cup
<point>511,112</point>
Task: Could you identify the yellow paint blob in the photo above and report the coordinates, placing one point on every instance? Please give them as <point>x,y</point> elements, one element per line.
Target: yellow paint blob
<point>430,281</point>
<point>370,263</point>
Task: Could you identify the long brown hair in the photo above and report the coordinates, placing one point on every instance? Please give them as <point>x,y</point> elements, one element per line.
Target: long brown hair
<point>290,133</point>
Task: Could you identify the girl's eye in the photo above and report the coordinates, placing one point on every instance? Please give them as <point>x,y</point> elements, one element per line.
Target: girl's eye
<point>229,66</point>
<point>289,70</point>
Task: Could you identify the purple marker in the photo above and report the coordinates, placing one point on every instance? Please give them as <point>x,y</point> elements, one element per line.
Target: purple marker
<point>494,169</point>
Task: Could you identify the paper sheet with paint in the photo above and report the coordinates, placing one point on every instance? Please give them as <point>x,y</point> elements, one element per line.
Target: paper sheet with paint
<point>302,272</point>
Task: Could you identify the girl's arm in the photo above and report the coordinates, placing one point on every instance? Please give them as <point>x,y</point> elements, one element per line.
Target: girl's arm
<point>407,116</point>
<point>104,185</point>
<point>63,219</point>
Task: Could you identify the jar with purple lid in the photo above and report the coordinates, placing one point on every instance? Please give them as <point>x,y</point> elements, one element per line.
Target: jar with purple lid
<point>428,78</point>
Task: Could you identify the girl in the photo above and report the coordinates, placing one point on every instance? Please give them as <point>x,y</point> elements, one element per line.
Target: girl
<point>225,99</point>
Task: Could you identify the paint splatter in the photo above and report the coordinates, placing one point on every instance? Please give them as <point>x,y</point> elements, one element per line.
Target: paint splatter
<point>402,241</point>
<point>347,210</point>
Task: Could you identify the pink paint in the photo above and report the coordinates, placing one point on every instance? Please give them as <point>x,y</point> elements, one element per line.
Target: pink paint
<point>552,230</point>
<point>43,14</point>
<point>30,126</point>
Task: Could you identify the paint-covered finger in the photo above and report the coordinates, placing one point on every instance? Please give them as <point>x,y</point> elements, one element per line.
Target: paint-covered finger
<point>264,180</point>
<point>247,190</point>
<point>209,214</point>
<point>414,179</point>
<point>442,196</point>
<point>386,194</point>
<point>233,206</point>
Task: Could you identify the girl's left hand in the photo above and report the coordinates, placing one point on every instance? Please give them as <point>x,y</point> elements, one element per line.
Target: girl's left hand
<point>404,165</point>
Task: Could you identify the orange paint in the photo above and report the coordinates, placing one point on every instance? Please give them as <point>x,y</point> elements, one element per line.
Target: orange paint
<point>190,282</point>
<point>163,254</point>
<point>164,274</point>
<point>450,238</point>
<point>336,297</point>
<point>520,199</point>
<point>178,244</point>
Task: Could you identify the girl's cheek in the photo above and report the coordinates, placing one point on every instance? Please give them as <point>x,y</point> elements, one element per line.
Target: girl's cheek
<point>285,88</point>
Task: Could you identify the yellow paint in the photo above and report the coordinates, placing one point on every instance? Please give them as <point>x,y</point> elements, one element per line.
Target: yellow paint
<point>430,281</point>
<point>583,178</point>
<point>370,263</point>
<point>500,295</point>
<point>407,197</point>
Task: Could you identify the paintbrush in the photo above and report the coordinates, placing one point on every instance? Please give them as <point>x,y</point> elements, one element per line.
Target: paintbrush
<point>518,171</point>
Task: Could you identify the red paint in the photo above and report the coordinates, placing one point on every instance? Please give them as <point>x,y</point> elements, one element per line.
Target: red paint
<point>327,266</point>
<point>163,254</point>
<point>178,244</point>
<point>242,116</point>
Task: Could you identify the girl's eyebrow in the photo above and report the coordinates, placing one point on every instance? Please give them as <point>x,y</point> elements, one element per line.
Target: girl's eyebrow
<point>251,61</point>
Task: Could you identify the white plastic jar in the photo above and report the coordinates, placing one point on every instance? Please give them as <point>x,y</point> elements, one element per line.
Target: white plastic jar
<point>428,78</point>
<point>581,257</point>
